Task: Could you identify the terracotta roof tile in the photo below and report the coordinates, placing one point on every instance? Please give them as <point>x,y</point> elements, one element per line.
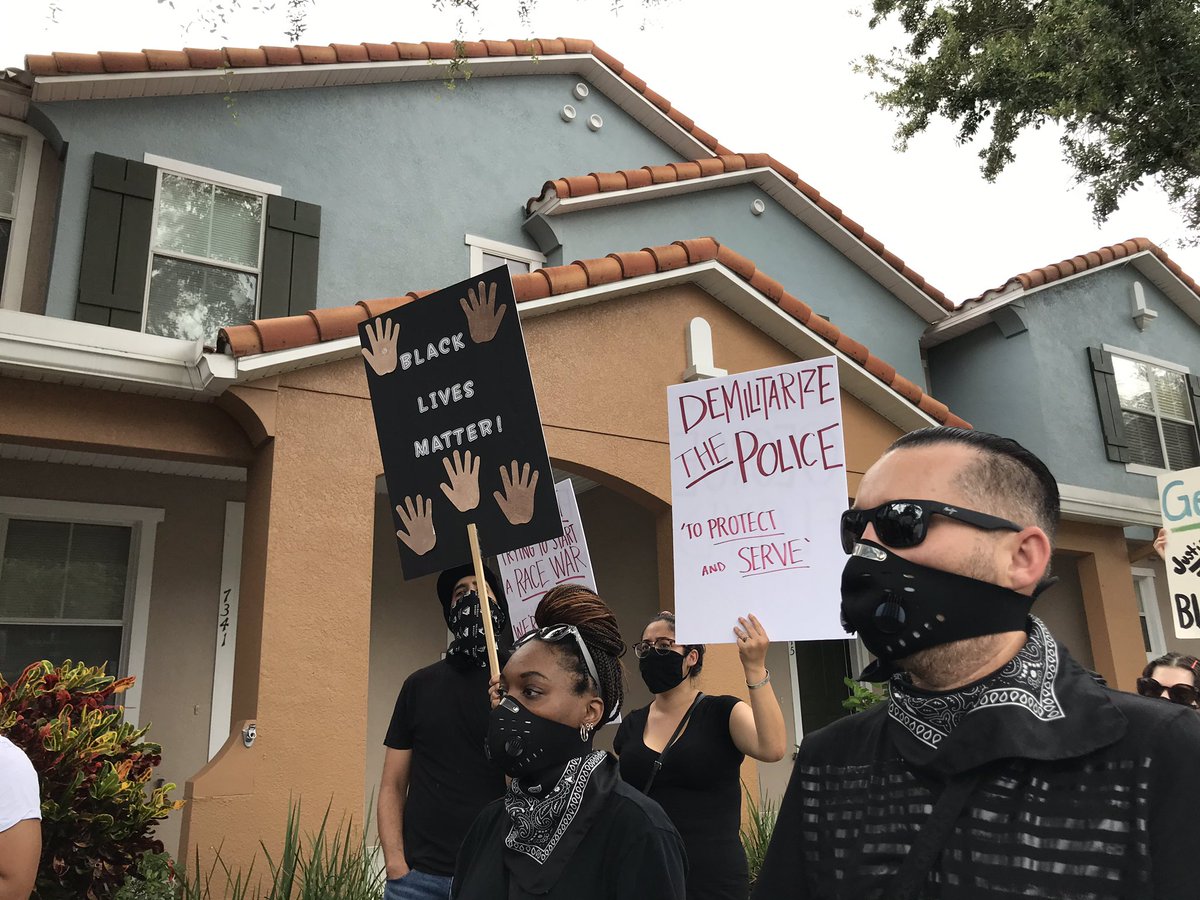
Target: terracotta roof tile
<point>533,286</point>
<point>657,99</point>
<point>204,58</point>
<point>411,51</point>
<point>38,64</point>
<point>245,57</point>
<point>1076,265</point>
<point>733,162</point>
<point>684,122</point>
<point>577,45</point>
<point>551,47</point>
<point>382,52</point>
<point>711,166</point>
<point>350,53</point>
<point>267,335</point>
<point>475,50</point>
<point>79,63</point>
<point>706,139</point>
<point>637,178</point>
<point>500,48</point>
<point>609,60</point>
<point>662,174</point>
<point>633,81</point>
<point>635,265</point>
<point>609,181</point>
<point>124,62</point>
<point>321,56</point>
<point>170,60</point>
<point>440,49</point>
<point>757,160</point>
<point>581,186</point>
<point>282,56</point>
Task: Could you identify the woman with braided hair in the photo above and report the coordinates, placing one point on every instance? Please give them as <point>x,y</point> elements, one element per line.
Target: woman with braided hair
<point>568,826</point>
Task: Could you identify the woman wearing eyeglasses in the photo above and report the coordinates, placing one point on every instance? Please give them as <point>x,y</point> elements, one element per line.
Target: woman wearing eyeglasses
<point>685,749</point>
<point>1171,677</point>
<point>568,828</point>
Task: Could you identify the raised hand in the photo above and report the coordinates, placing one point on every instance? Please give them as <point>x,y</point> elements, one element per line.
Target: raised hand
<point>417,521</point>
<point>483,319</point>
<point>463,489</point>
<point>382,355</point>
<point>1160,543</point>
<point>752,643</point>
<point>517,500</point>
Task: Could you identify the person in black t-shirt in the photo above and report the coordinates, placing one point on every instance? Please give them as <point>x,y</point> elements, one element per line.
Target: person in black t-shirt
<point>436,777</point>
<point>699,781</point>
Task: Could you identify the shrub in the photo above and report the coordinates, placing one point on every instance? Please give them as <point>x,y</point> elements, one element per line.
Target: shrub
<point>98,815</point>
<point>756,833</point>
<point>862,697</point>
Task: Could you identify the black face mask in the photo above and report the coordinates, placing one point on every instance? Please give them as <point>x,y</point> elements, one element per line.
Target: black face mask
<point>465,622</point>
<point>662,671</point>
<point>899,607</point>
<point>520,742</point>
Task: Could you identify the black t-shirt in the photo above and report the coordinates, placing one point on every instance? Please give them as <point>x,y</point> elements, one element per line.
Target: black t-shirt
<point>699,788</point>
<point>441,715</point>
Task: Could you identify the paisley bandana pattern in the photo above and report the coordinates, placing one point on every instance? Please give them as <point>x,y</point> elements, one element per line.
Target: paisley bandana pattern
<point>539,822</point>
<point>1026,681</point>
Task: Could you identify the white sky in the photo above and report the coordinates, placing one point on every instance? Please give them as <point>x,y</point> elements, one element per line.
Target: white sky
<point>774,78</point>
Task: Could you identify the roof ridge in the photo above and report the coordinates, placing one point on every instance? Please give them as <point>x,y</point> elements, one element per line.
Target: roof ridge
<point>105,62</point>
<point>1093,259</point>
<point>628,179</point>
<point>320,325</point>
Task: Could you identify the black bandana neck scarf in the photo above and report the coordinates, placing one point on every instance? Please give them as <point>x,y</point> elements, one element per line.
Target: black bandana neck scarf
<point>551,816</point>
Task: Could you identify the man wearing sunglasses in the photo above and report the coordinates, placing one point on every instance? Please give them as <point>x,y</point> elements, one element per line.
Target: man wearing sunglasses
<point>997,767</point>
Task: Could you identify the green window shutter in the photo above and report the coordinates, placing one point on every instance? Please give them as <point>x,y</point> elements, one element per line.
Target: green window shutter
<point>1112,422</point>
<point>289,266</point>
<point>116,243</point>
<point>1193,383</point>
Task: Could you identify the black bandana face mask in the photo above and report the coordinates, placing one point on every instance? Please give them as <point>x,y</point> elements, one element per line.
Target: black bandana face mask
<point>662,671</point>
<point>465,622</point>
<point>520,742</point>
<point>899,607</point>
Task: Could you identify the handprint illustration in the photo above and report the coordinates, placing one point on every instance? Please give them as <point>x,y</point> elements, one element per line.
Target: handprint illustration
<point>417,521</point>
<point>463,489</point>
<point>483,319</point>
<point>382,355</point>
<point>517,500</point>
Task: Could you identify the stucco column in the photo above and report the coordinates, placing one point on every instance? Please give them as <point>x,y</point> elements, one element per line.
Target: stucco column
<point>1109,602</point>
<point>304,629</point>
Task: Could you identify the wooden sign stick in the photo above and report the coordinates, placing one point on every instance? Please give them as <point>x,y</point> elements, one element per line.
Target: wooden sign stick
<point>485,606</point>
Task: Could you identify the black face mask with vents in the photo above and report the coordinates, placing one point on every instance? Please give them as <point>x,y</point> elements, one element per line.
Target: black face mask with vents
<point>899,607</point>
<point>520,742</point>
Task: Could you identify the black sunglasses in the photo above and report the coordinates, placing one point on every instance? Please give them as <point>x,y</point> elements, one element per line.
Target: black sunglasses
<point>904,523</point>
<point>555,633</point>
<point>1183,694</point>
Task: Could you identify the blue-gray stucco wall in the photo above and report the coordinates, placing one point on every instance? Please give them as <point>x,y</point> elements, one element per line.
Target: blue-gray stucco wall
<point>778,243</point>
<point>401,171</point>
<point>1037,386</point>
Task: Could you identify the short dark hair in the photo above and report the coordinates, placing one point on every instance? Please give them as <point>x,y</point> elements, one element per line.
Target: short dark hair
<point>1009,475</point>
<point>669,617</point>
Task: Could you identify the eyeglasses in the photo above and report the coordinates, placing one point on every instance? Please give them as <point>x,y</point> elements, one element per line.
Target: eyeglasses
<point>1183,694</point>
<point>904,523</point>
<point>553,634</point>
<point>661,646</point>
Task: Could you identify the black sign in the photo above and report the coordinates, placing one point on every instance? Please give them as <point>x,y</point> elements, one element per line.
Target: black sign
<point>458,425</point>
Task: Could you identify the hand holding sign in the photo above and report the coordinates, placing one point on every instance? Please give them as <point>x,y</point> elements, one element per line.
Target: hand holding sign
<point>483,319</point>
<point>382,355</point>
<point>517,500</point>
<point>463,489</point>
<point>417,519</point>
<point>752,643</point>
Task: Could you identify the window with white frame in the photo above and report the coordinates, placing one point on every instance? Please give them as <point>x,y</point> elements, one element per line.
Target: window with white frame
<point>75,584</point>
<point>1153,639</point>
<point>487,254</point>
<point>206,257</point>
<point>20,160</point>
<point>1156,408</point>
<point>10,173</point>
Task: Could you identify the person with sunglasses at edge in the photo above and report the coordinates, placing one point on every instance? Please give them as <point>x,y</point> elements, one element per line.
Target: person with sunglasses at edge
<point>997,767</point>
<point>568,827</point>
<point>436,777</point>
<point>685,750</point>
<point>1171,677</point>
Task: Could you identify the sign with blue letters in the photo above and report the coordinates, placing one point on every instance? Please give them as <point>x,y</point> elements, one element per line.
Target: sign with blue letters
<point>1179,500</point>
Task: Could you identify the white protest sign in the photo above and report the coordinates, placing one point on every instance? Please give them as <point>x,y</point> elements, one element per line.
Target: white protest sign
<point>1179,499</point>
<point>530,572</point>
<point>758,481</point>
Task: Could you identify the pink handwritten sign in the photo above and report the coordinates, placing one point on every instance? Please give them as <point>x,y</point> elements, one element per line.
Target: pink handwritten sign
<point>528,573</point>
<point>758,480</point>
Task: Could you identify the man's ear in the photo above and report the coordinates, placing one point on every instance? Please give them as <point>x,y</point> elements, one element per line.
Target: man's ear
<point>1029,559</point>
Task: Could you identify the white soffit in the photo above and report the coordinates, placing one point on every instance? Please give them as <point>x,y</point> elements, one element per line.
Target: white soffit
<point>1082,504</point>
<point>126,463</point>
<point>117,85</point>
<point>790,198</point>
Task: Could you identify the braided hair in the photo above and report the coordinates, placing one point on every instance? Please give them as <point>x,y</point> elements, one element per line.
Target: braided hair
<point>572,604</point>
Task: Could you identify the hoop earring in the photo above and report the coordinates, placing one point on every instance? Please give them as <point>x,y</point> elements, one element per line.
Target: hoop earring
<point>585,732</point>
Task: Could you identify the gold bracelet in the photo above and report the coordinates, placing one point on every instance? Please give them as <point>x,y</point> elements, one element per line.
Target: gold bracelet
<point>759,684</point>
